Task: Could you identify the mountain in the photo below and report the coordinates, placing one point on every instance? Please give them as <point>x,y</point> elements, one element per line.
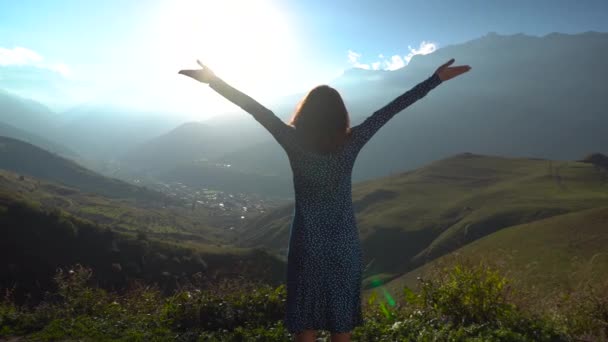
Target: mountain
<point>27,115</point>
<point>411,218</point>
<point>7,130</point>
<point>199,154</point>
<point>27,159</point>
<point>512,103</point>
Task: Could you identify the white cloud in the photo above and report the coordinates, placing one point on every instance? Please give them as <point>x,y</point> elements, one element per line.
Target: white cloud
<point>353,59</point>
<point>20,56</point>
<point>395,62</point>
<point>424,49</point>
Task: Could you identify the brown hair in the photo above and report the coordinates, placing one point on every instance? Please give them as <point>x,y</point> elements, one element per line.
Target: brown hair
<point>321,120</point>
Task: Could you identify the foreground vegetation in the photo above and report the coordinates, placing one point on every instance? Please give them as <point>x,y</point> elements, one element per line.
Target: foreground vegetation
<point>472,303</point>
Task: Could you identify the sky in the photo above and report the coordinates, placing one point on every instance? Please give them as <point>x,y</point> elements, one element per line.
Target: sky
<point>66,53</point>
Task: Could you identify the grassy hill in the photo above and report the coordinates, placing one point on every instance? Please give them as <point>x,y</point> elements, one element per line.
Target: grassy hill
<point>30,160</point>
<point>411,218</point>
<point>44,225</point>
<point>126,215</point>
<point>562,252</point>
<point>35,242</point>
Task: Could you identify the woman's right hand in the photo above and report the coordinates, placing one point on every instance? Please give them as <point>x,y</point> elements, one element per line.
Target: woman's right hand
<point>204,75</point>
<point>446,72</point>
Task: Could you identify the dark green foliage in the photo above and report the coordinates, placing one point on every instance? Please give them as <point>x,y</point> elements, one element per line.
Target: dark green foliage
<point>463,303</point>
<point>467,295</point>
<point>226,309</point>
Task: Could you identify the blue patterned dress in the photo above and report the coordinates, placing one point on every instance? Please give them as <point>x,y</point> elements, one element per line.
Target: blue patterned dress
<point>325,262</point>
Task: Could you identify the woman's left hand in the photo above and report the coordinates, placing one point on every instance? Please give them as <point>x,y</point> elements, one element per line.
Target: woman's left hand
<point>446,72</point>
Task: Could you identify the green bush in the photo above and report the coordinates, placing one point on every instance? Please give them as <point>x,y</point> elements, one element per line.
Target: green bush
<point>466,296</point>
<point>471,303</point>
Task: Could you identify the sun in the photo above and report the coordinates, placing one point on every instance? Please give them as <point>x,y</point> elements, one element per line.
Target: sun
<point>245,41</point>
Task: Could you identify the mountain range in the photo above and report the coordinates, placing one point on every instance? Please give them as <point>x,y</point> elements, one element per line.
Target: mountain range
<point>526,96</point>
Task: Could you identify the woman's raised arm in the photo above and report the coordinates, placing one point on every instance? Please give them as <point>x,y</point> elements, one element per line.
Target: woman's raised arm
<point>364,131</point>
<point>280,130</point>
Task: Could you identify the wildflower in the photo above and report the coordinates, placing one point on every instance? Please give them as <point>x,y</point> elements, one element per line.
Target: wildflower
<point>396,325</point>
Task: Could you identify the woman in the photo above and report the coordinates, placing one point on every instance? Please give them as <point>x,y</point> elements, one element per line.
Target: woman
<point>324,256</point>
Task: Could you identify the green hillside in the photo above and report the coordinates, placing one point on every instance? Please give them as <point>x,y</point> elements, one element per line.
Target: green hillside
<point>27,159</point>
<point>125,215</point>
<point>35,242</point>
<point>562,252</point>
<point>408,219</point>
<point>45,225</point>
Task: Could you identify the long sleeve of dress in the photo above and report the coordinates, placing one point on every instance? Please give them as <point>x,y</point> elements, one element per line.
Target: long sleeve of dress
<point>364,131</point>
<point>279,129</point>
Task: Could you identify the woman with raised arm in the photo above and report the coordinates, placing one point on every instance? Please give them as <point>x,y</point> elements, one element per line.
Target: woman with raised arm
<point>324,264</point>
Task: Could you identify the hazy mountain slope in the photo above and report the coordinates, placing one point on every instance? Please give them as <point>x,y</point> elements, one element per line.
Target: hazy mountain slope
<point>7,130</point>
<point>25,114</point>
<point>410,218</point>
<point>197,154</point>
<point>188,142</point>
<point>564,251</point>
<point>99,132</point>
<point>27,159</point>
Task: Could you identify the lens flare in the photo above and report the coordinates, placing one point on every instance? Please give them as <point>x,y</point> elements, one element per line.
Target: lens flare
<point>377,283</point>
